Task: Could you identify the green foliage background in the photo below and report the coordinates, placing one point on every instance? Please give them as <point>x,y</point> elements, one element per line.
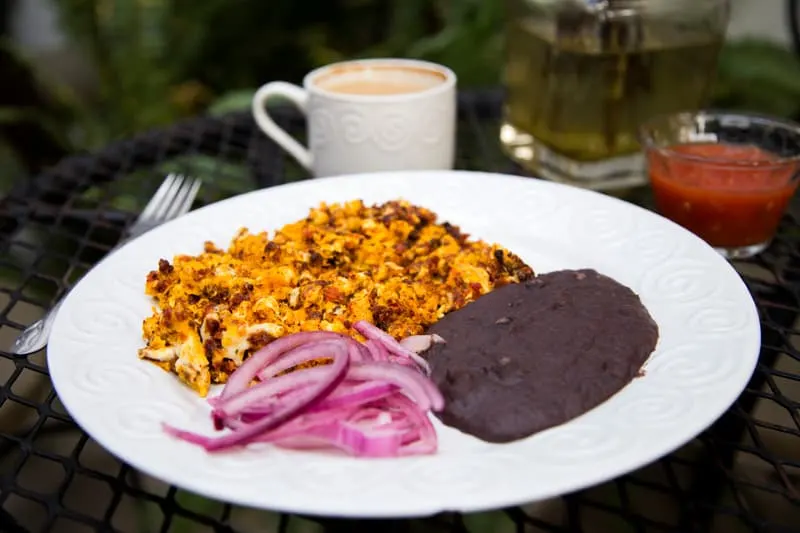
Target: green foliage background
<point>159,60</point>
<point>156,61</point>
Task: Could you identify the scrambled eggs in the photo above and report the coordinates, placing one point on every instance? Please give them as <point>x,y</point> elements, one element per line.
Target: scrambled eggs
<point>389,264</point>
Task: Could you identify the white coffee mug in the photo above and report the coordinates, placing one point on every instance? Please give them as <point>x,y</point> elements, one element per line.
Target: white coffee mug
<point>369,115</point>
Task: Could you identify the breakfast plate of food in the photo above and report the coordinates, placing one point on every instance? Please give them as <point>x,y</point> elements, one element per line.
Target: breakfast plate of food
<point>403,343</point>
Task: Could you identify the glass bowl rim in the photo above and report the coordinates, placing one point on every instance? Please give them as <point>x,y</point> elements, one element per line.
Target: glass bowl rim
<point>646,141</point>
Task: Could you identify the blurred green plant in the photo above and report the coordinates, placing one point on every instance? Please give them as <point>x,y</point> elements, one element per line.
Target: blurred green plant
<point>159,60</point>
<point>156,61</point>
<point>759,76</point>
<point>33,121</point>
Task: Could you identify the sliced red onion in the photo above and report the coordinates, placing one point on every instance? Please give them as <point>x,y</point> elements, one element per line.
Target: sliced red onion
<point>259,410</point>
<point>370,414</point>
<point>265,394</point>
<point>247,372</point>
<point>336,432</point>
<point>300,355</point>
<point>403,361</point>
<point>358,352</point>
<point>372,401</point>
<point>365,442</point>
<point>377,350</point>
<point>365,433</point>
<point>348,395</point>
<point>313,430</point>
<point>305,353</point>
<point>188,436</point>
<point>375,333</point>
<point>426,439</point>
<point>354,394</point>
<point>335,373</point>
<point>357,395</point>
<point>351,440</point>
<point>301,424</point>
<point>381,418</point>
<point>418,387</point>
<point>316,438</point>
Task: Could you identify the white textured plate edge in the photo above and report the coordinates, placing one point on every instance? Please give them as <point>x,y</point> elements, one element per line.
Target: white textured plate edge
<point>469,476</point>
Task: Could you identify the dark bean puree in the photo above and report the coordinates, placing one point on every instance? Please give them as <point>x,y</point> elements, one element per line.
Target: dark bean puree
<point>533,355</point>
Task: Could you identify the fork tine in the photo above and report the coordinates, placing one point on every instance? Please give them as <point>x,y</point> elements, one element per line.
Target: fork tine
<point>163,193</point>
<point>193,190</point>
<point>165,213</point>
<point>182,202</point>
<point>162,212</point>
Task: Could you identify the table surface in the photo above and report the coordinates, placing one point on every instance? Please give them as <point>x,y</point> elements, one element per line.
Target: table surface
<point>742,474</point>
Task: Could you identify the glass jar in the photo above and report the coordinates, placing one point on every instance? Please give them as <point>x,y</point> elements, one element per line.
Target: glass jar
<point>583,75</point>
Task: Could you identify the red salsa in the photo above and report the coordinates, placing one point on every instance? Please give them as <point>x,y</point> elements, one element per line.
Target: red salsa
<point>729,195</point>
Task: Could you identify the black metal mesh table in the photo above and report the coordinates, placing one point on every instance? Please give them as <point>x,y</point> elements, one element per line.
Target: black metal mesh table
<point>743,474</point>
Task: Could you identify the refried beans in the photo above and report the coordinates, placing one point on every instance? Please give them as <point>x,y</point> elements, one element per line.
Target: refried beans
<point>533,355</point>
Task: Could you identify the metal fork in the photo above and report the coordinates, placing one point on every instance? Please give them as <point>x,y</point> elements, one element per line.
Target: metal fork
<point>172,199</point>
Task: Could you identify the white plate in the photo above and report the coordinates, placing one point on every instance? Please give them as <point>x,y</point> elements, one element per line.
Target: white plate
<point>708,348</point>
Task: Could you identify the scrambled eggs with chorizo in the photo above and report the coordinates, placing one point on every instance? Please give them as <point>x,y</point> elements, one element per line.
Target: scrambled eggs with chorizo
<point>391,264</point>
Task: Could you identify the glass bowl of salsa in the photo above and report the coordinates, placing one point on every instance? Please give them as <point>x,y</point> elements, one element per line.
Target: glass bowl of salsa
<point>726,177</point>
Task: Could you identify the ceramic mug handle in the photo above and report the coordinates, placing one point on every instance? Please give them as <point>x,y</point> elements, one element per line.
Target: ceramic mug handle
<point>299,97</point>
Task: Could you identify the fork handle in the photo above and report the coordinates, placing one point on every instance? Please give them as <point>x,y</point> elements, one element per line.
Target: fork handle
<point>34,337</point>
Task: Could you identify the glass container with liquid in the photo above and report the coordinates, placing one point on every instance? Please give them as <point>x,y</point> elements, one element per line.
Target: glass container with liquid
<point>583,75</point>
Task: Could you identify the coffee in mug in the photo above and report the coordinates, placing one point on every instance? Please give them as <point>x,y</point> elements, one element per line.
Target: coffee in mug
<point>369,115</point>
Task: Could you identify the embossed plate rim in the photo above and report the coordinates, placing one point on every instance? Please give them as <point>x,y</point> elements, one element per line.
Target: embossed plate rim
<point>557,224</point>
